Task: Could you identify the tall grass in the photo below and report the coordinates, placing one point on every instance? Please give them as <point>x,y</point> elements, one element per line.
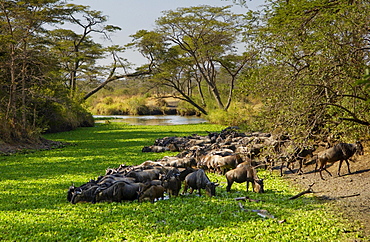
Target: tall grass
<point>135,105</point>
<point>33,205</point>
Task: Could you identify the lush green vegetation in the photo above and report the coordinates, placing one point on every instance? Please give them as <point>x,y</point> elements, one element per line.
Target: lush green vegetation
<point>33,205</point>
<point>308,72</point>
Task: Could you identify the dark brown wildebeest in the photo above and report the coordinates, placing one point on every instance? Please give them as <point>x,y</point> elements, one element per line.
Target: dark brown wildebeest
<point>84,195</point>
<point>172,185</point>
<point>119,192</point>
<point>153,192</point>
<point>339,152</point>
<point>155,148</point>
<point>145,175</point>
<point>299,154</point>
<point>74,191</point>
<point>226,163</point>
<point>244,173</point>
<point>199,180</point>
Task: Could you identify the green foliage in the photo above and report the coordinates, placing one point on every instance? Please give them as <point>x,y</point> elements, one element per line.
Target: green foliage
<point>244,114</point>
<point>59,118</point>
<point>33,205</point>
<point>123,105</point>
<point>186,109</point>
<point>313,54</point>
<point>189,59</point>
<point>39,67</point>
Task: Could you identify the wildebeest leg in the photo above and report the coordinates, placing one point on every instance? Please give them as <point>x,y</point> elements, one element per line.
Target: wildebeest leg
<point>340,165</point>
<point>229,184</point>
<point>247,185</point>
<point>288,166</point>
<point>253,186</point>
<point>185,188</point>
<point>349,172</point>
<point>323,167</point>
<point>281,168</point>
<point>320,170</point>
<point>300,171</point>
<point>199,192</point>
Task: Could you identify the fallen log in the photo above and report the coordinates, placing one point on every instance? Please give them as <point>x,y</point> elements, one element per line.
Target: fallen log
<point>353,195</point>
<point>246,198</point>
<point>309,190</point>
<point>260,212</point>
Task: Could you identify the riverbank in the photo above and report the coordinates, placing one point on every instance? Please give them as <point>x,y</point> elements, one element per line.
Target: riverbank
<point>141,106</point>
<point>150,119</point>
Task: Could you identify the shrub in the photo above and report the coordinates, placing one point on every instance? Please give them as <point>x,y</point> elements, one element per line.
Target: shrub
<point>58,118</point>
<point>137,106</point>
<point>239,114</point>
<point>186,109</point>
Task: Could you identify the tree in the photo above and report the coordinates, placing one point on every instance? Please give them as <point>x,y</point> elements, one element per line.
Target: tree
<point>26,64</point>
<point>314,54</point>
<point>78,53</point>
<point>195,43</point>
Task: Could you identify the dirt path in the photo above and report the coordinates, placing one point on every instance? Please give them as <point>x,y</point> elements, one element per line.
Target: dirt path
<point>350,193</point>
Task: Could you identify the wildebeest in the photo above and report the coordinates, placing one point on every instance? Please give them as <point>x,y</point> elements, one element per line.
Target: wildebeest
<point>219,161</point>
<point>244,173</point>
<point>153,192</point>
<point>175,161</point>
<point>199,180</point>
<point>299,154</point>
<point>144,175</point>
<point>184,172</point>
<point>74,191</point>
<point>118,192</point>
<point>155,148</point>
<point>339,152</point>
<point>84,195</point>
<point>172,185</point>
<point>223,164</point>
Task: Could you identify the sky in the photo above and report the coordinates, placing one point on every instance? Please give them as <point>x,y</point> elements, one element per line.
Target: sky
<point>134,15</point>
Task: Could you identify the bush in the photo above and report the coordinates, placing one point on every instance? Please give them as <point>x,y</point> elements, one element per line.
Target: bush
<point>135,105</point>
<point>186,109</point>
<point>58,118</point>
<point>239,114</point>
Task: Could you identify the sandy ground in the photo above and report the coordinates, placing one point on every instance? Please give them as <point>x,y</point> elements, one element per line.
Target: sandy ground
<point>350,193</point>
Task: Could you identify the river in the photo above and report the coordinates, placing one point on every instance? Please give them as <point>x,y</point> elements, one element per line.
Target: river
<point>152,119</point>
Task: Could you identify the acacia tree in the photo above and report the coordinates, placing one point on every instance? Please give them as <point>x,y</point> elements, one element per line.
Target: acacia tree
<point>78,53</point>
<point>314,54</point>
<point>196,43</point>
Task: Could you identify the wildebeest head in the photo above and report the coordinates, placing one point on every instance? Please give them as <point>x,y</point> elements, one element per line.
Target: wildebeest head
<point>76,196</point>
<point>80,195</point>
<point>146,149</point>
<point>359,148</point>
<point>70,192</point>
<point>211,188</point>
<point>258,186</point>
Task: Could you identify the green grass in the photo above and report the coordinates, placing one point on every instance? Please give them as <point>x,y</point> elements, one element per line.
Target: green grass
<point>33,205</point>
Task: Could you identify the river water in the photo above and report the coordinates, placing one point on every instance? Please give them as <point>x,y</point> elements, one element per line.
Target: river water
<point>152,119</point>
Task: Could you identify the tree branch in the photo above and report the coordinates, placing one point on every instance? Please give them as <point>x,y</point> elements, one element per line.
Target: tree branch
<point>354,117</point>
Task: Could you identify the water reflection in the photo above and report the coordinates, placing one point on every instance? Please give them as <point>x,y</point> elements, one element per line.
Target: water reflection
<point>152,119</point>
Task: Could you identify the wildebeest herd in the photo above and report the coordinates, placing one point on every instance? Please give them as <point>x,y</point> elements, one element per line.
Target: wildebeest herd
<point>236,155</point>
